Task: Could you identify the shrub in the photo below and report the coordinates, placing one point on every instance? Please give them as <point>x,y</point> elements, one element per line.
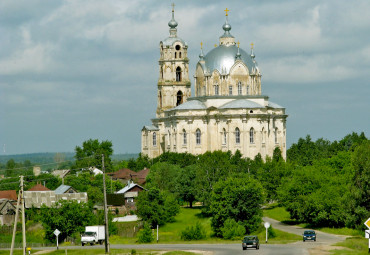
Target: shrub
<point>271,232</point>
<point>196,232</point>
<point>232,230</point>
<point>145,235</point>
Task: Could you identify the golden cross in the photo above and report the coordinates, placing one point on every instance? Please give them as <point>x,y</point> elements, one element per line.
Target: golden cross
<point>215,45</point>
<point>173,6</point>
<point>238,44</point>
<point>201,45</point>
<point>252,45</point>
<point>226,10</point>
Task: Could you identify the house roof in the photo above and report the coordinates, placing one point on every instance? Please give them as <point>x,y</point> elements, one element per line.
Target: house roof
<point>124,173</point>
<point>60,173</point>
<point>62,189</point>
<point>8,194</point>
<point>141,175</point>
<point>39,187</point>
<point>128,187</point>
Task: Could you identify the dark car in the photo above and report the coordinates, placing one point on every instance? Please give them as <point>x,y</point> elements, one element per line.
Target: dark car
<point>251,242</point>
<point>309,235</point>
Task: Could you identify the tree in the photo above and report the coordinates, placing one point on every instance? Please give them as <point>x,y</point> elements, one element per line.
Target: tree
<point>163,176</point>
<point>156,207</point>
<point>239,199</point>
<point>185,184</point>
<point>90,154</point>
<point>67,216</point>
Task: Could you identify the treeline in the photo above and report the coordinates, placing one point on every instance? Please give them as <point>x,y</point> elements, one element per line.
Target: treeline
<point>322,183</point>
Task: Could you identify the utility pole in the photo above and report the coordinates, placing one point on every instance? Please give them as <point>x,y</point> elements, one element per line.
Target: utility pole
<point>105,210</point>
<point>23,218</point>
<point>15,223</point>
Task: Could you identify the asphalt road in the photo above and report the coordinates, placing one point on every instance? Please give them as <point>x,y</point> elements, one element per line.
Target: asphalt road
<point>298,248</point>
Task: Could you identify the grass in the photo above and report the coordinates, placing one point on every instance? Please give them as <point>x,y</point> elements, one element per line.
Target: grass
<point>101,251</point>
<point>280,214</point>
<point>281,237</point>
<point>355,245</point>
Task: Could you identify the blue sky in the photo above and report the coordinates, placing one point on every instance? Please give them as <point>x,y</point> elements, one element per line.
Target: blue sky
<point>81,69</point>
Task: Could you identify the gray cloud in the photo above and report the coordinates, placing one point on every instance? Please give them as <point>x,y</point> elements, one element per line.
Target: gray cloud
<point>74,70</point>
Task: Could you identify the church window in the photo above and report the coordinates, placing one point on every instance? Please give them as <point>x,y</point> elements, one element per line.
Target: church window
<point>179,54</point>
<point>177,47</point>
<point>154,139</point>
<point>216,90</point>
<point>185,138</point>
<point>197,136</point>
<point>230,90</point>
<point>276,135</point>
<point>251,135</point>
<point>169,138</point>
<point>237,136</point>
<point>239,88</point>
<point>179,98</point>
<point>178,74</point>
<point>175,54</point>
<point>247,89</point>
<point>224,137</point>
<point>160,99</point>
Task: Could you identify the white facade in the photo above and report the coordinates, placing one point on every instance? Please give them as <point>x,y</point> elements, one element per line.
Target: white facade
<point>228,113</point>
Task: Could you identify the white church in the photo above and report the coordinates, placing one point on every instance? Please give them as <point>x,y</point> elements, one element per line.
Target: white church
<point>228,111</point>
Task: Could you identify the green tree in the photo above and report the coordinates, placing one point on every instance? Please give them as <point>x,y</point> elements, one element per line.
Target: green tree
<point>163,176</point>
<point>90,154</point>
<point>239,199</point>
<point>185,184</point>
<point>145,235</point>
<point>232,230</point>
<point>156,207</point>
<point>68,217</point>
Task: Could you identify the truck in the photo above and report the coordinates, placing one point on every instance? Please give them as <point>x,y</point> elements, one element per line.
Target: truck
<point>93,235</point>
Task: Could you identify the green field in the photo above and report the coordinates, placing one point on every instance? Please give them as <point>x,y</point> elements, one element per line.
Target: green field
<point>101,251</point>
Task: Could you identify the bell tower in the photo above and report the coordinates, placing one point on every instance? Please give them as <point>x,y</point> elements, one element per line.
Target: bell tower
<point>174,86</point>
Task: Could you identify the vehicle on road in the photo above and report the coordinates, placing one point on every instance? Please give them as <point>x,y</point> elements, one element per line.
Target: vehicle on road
<point>309,235</point>
<point>250,242</point>
<point>93,235</point>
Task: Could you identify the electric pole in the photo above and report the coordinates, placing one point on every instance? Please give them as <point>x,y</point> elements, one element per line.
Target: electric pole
<point>15,223</point>
<point>23,218</point>
<point>105,209</point>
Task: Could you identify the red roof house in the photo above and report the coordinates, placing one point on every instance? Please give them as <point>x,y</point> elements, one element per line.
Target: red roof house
<point>39,187</point>
<point>8,194</point>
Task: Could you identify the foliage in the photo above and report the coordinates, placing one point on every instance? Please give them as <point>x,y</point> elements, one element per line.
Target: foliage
<point>90,154</point>
<point>195,232</point>
<point>163,176</point>
<point>156,207</point>
<point>237,198</point>
<point>145,235</point>
<point>232,230</point>
<point>185,184</point>
<point>271,232</point>
<point>66,216</point>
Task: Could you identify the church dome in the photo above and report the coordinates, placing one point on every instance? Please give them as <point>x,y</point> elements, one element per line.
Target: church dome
<point>223,57</point>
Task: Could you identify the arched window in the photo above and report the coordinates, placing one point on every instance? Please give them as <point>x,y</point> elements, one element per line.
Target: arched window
<point>247,89</point>
<point>179,98</point>
<point>154,139</point>
<point>175,54</point>
<point>179,54</point>
<point>169,138</point>
<point>276,135</point>
<point>237,136</point>
<point>239,88</point>
<point>224,139</point>
<point>197,136</point>
<point>230,90</point>
<point>216,90</point>
<point>185,138</point>
<point>251,135</point>
<point>178,74</point>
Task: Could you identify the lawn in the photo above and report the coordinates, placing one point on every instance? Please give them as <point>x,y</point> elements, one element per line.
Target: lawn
<point>356,245</point>
<point>280,214</point>
<point>101,251</point>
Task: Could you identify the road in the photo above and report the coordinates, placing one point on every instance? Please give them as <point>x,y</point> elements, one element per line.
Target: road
<point>324,241</point>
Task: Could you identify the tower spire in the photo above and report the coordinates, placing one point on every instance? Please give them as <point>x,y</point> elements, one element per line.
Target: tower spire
<point>172,23</point>
<point>238,55</point>
<point>201,56</point>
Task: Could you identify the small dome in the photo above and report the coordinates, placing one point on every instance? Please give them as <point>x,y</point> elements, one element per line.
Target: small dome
<point>223,57</point>
<point>172,23</point>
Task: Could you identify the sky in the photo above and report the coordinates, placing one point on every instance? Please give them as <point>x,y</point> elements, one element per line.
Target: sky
<point>88,69</point>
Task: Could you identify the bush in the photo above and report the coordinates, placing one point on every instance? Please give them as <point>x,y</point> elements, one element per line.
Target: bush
<point>145,235</point>
<point>196,232</point>
<point>232,230</point>
<point>271,232</point>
